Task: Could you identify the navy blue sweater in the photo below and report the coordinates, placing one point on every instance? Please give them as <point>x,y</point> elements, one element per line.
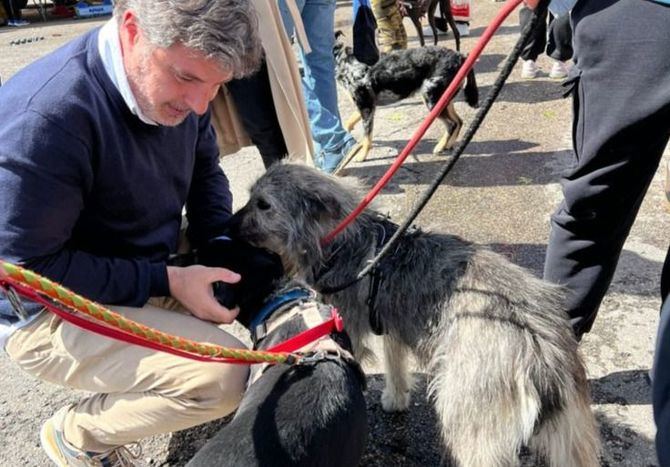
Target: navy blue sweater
<point>90,196</point>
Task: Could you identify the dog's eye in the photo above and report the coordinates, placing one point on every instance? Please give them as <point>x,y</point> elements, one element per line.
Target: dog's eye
<point>262,204</point>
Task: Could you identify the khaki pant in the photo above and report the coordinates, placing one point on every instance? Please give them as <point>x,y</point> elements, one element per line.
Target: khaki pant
<point>138,392</point>
<point>391,34</point>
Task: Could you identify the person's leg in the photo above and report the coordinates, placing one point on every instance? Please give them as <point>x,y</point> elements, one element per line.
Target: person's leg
<point>538,39</point>
<point>661,386</point>
<point>137,392</point>
<point>332,141</point>
<point>619,131</point>
<point>391,33</point>
<point>559,44</point>
<point>255,105</point>
<point>13,12</point>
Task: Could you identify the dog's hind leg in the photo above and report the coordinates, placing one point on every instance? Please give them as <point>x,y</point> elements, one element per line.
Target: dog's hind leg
<point>416,20</point>
<point>445,9</point>
<point>453,124</point>
<point>432,6</point>
<point>453,118</point>
<point>398,380</point>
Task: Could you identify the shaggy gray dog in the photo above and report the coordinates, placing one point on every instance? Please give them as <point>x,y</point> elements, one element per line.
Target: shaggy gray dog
<point>501,357</point>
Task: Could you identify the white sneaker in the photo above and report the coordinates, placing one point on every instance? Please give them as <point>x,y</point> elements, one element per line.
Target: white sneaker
<point>529,69</point>
<point>559,70</point>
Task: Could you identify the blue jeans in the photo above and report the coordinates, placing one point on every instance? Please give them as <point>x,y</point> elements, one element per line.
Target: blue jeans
<point>332,141</point>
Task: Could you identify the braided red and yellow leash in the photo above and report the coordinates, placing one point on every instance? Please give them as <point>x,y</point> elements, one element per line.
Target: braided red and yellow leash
<point>94,317</point>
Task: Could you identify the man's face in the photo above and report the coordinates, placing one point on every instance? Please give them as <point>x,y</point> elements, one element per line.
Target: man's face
<point>168,83</point>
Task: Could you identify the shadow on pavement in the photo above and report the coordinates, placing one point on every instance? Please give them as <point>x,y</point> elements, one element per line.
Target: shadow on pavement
<point>502,30</point>
<point>627,387</point>
<point>471,170</point>
<point>528,92</point>
<point>531,257</point>
<point>618,439</point>
<point>489,63</point>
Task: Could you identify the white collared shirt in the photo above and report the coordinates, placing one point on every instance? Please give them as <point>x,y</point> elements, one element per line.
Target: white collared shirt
<point>109,47</point>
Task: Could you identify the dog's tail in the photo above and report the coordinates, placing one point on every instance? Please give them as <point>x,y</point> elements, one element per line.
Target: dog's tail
<point>471,90</point>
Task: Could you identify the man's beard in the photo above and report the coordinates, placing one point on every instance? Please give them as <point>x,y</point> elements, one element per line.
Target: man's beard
<point>140,89</point>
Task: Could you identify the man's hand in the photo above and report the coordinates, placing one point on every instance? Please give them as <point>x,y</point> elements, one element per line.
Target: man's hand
<point>192,287</point>
<point>532,4</point>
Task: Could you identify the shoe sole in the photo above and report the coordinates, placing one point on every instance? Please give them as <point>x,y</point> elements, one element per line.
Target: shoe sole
<point>48,444</point>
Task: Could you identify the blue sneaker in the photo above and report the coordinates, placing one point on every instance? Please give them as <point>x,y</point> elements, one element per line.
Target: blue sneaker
<point>335,161</point>
<point>17,23</point>
<point>63,454</point>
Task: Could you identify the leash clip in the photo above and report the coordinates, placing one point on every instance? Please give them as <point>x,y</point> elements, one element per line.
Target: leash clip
<point>319,356</point>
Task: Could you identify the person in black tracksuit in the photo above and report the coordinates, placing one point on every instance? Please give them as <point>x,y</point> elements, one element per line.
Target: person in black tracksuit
<point>621,125</point>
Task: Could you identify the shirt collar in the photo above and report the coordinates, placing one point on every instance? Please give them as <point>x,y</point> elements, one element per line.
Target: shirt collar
<point>109,47</point>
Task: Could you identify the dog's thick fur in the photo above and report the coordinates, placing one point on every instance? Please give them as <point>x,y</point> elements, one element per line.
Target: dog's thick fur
<point>501,357</point>
<point>304,415</point>
<point>396,76</point>
<point>416,9</point>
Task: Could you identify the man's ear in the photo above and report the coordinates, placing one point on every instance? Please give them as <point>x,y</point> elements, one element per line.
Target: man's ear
<point>128,28</point>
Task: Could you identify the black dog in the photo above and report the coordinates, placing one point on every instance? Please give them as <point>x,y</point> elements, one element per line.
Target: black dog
<point>416,9</point>
<point>301,415</point>
<point>397,75</point>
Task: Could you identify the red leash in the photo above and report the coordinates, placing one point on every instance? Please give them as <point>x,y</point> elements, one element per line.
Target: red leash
<point>504,12</point>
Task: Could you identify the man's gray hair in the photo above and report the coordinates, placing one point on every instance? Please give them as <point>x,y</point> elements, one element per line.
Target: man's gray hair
<point>223,30</point>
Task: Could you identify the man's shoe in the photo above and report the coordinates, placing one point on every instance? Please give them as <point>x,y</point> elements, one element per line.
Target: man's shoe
<point>559,70</point>
<point>529,69</point>
<point>63,454</point>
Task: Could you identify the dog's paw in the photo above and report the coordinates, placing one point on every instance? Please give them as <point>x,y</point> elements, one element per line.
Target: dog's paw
<point>360,157</point>
<point>446,152</point>
<point>395,401</point>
